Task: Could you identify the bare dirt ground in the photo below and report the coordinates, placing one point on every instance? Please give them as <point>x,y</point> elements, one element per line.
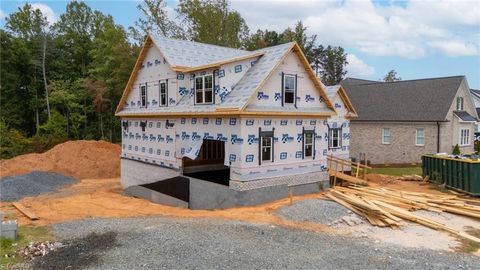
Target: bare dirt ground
<point>78,159</point>
<point>99,195</point>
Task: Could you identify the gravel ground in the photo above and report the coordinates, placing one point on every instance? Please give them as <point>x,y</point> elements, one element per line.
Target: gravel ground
<point>14,188</point>
<point>172,243</point>
<point>319,211</point>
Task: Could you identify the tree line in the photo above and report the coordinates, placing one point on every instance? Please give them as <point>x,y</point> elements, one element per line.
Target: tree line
<point>62,80</point>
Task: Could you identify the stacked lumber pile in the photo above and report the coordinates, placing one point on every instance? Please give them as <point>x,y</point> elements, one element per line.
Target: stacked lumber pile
<point>387,207</point>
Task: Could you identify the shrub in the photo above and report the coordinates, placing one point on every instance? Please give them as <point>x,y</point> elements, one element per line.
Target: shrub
<point>456,150</point>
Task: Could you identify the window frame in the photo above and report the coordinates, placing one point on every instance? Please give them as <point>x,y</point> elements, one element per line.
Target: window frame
<point>164,83</point>
<point>464,138</point>
<point>460,104</point>
<point>143,95</point>
<point>306,144</point>
<point>203,90</point>
<point>330,138</point>
<point>293,91</point>
<point>389,136</point>
<point>417,136</point>
<point>266,135</point>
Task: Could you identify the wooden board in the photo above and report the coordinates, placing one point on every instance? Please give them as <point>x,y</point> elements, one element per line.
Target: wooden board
<point>27,212</point>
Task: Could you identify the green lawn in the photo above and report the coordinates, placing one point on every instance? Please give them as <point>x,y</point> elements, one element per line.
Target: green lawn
<point>397,171</point>
<point>26,234</point>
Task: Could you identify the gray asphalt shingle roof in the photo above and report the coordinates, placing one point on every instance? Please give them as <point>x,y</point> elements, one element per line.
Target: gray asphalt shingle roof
<point>412,100</point>
<point>465,116</point>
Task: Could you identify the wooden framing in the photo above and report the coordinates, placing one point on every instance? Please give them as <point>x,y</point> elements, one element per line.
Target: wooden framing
<point>133,75</point>
<point>343,95</point>
<point>226,113</point>
<point>216,64</point>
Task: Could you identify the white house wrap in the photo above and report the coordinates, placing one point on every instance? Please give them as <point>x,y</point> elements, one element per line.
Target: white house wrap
<point>263,115</point>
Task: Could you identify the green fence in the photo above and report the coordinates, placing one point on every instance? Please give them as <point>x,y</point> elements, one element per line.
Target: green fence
<point>459,174</point>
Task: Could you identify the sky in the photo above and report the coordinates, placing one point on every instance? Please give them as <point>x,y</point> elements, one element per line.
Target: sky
<point>418,39</point>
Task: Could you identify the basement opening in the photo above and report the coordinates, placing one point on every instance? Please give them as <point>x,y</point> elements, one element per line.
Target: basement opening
<point>209,164</point>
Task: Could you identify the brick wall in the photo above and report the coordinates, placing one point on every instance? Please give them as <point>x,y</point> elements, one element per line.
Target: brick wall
<point>367,138</point>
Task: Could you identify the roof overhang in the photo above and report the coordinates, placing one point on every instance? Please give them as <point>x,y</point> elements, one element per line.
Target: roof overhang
<point>225,113</point>
<point>217,64</point>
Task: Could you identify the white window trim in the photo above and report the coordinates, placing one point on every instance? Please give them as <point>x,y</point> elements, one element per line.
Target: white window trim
<point>305,144</point>
<point>466,138</point>
<point>284,90</point>
<point>330,141</point>
<point>264,146</point>
<point>203,89</point>
<point>389,136</point>
<point>141,96</point>
<point>460,102</point>
<point>417,137</point>
<point>160,94</point>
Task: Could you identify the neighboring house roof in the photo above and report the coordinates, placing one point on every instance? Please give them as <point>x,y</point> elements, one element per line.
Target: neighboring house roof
<point>475,92</point>
<point>355,81</point>
<point>332,90</point>
<point>465,116</point>
<point>181,56</point>
<point>412,100</point>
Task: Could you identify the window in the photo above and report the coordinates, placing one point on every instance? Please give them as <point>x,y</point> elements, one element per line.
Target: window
<point>289,89</point>
<point>335,138</point>
<point>308,143</point>
<point>464,137</point>
<point>163,94</point>
<point>459,103</point>
<point>143,95</point>
<point>420,137</point>
<point>267,148</point>
<point>386,136</point>
<point>204,89</point>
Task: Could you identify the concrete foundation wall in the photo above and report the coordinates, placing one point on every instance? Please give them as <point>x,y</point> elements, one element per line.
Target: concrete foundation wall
<point>134,173</point>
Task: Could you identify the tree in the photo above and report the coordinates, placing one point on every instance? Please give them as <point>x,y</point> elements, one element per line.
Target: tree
<point>329,63</point>
<point>154,19</point>
<point>262,39</point>
<point>75,30</point>
<point>456,150</point>
<point>32,26</point>
<point>213,22</point>
<point>299,35</point>
<point>391,76</point>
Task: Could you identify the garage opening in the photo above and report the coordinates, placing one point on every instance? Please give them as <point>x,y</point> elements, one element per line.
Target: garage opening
<point>209,164</point>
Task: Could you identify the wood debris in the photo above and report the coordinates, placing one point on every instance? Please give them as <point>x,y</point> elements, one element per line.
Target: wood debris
<point>414,177</point>
<point>27,212</point>
<point>385,207</point>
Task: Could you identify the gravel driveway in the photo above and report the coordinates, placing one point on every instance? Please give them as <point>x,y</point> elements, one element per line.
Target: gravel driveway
<point>172,243</point>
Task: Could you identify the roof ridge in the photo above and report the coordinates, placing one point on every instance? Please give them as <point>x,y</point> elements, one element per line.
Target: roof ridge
<point>196,42</point>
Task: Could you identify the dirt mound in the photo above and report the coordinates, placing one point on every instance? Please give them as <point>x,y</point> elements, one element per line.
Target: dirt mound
<point>79,159</point>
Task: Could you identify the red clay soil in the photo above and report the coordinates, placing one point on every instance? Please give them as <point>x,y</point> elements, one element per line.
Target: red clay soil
<point>380,180</point>
<point>79,159</point>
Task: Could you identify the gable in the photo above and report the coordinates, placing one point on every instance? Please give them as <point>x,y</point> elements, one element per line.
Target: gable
<point>269,95</point>
<point>153,69</point>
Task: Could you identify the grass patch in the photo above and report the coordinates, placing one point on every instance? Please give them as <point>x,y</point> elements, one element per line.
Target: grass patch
<point>397,171</point>
<point>467,245</point>
<point>26,234</point>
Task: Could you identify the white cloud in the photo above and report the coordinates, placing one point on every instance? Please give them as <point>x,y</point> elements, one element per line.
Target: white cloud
<point>357,68</point>
<point>47,11</point>
<point>2,15</point>
<point>414,29</point>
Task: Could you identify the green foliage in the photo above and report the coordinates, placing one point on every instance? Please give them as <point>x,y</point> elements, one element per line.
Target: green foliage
<point>56,126</point>
<point>12,142</point>
<point>456,150</point>
<point>213,22</point>
<point>154,19</point>
<point>397,171</point>
<point>477,147</point>
<point>391,76</point>
<point>330,63</point>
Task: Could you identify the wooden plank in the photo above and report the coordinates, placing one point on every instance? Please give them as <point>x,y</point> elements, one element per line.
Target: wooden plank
<point>27,212</point>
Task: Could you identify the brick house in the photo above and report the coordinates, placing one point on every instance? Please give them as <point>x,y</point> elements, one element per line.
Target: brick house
<point>400,121</point>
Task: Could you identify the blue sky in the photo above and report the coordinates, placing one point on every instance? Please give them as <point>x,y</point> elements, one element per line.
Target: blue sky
<point>419,39</point>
